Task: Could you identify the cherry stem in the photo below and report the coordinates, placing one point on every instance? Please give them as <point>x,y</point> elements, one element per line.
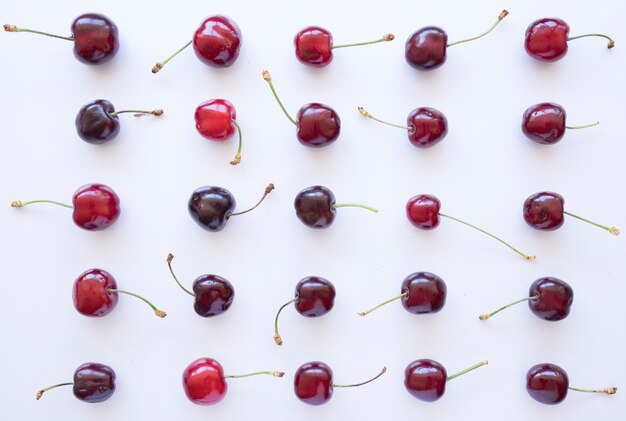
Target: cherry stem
<point>159,65</point>
<point>13,28</point>
<point>501,16</point>
<point>611,230</point>
<point>487,316</point>
<point>525,256</point>
<point>277,338</point>
<point>383,371</point>
<point>353,205</point>
<point>584,126</point>
<point>267,191</point>
<point>170,257</point>
<point>159,313</point>
<point>365,313</point>
<point>271,373</point>
<point>268,79</point>
<point>467,370</point>
<point>237,158</point>
<point>138,113</point>
<point>386,37</point>
<point>368,115</point>
<point>608,390</point>
<point>20,204</point>
<point>42,391</point>
<point>610,44</point>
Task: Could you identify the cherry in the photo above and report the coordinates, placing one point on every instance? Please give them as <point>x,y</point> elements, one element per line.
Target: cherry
<point>548,383</point>
<point>313,382</point>
<point>546,39</point>
<point>314,45</point>
<point>213,294</point>
<point>216,43</point>
<point>425,126</point>
<point>549,299</point>
<point>318,124</point>
<point>545,123</point>
<point>94,35</point>
<point>545,211</point>
<point>211,207</point>
<point>95,294</point>
<point>423,212</point>
<point>93,382</point>
<point>316,207</point>
<point>426,48</point>
<point>95,206</point>
<point>421,293</point>
<point>97,121</point>
<point>314,297</point>
<point>426,379</point>
<point>216,119</point>
<point>204,381</point>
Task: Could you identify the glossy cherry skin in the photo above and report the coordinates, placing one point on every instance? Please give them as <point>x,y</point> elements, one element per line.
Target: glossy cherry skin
<point>555,299</point>
<point>423,211</point>
<point>314,46</point>
<point>426,293</point>
<point>426,48</point>
<point>425,379</point>
<point>95,38</point>
<point>95,123</point>
<point>94,382</point>
<point>217,41</point>
<point>313,383</point>
<point>546,39</point>
<point>315,296</point>
<point>214,119</point>
<point>544,123</point>
<point>203,382</point>
<point>318,125</point>
<point>544,211</point>
<point>547,383</point>
<point>90,293</point>
<point>211,207</point>
<point>428,127</point>
<point>214,295</point>
<point>314,207</point>
<point>96,207</point>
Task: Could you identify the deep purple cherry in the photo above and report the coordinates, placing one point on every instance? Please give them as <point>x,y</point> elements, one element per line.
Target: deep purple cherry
<point>426,379</point>
<point>545,123</point>
<point>93,383</point>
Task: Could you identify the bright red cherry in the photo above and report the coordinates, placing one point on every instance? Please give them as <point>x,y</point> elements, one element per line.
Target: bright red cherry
<point>93,383</point>
<point>216,43</point>
<point>313,382</point>
<point>96,206</point>
<point>216,119</point>
<point>94,35</point>
<point>204,381</point>
<point>545,123</point>
<point>548,383</point>
<point>545,211</point>
<point>426,48</point>
<point>426,379</point>
<point>546,39</point>
<point>314,297</point>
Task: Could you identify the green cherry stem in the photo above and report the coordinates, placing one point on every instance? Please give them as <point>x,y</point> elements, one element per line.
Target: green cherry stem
<point>353,205</point>
<point>138,113</point>
<point>487,316</point>
<point>467,370</point>
<point>368,115</point>
<point>157,312</point>
<point>268,78</point>
<point>391,300</point>
<point>383,371</point>
<point>42,391</point>
<point>611,230</point>
<point>159,65</point>
<point>170,257</point>
<point>267,191</point>
<point>608,390</point>
<point>277,338</point>
<point>609,45</point>
<point>584,126</point>
<point>13,28</point>
<point>386,37</point>
<point>257,373</point>
<point>501,16</point>
<point>20,204</point>
<point>237,158</point>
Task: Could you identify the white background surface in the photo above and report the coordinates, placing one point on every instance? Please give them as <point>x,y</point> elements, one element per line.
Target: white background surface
<point>482,172</point>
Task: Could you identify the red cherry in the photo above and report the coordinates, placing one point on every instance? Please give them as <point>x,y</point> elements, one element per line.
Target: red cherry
<point>216,119</point>
<point>426,379</point>
<point>545,123</point>
<point>96,207</point>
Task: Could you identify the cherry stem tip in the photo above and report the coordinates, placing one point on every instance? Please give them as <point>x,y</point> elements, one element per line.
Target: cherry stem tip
<point>11,28</point>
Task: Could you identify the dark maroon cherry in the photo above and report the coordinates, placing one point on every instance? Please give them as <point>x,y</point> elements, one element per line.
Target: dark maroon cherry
<point>95,206</point>
<point>545,211</point>
<point>94,35</point>
<point>549,299</point>
<point>423,212</point>
<point>426,379</point>
<point>211,206</point>
<point>546,39</point>
<point>548,383</point>
<point>545,123</point>
<point>315,206</point>
<point>216,43</point>
<point>314,297</point>
<point>313,382</point>
<point>216,119</point>
<point>93,383</point>
<point>213,294</point>
<point>426,48</point>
